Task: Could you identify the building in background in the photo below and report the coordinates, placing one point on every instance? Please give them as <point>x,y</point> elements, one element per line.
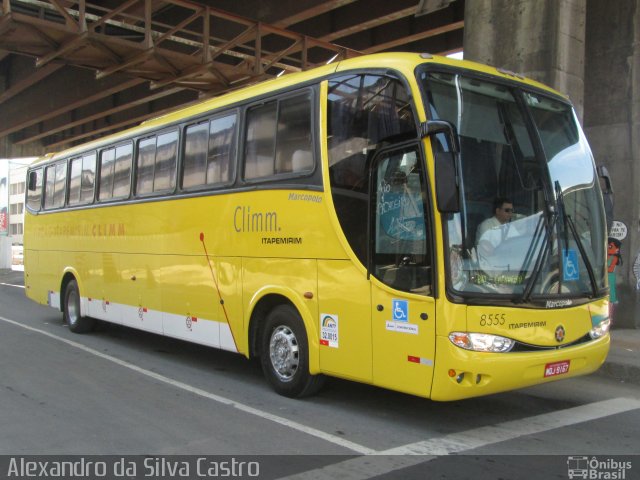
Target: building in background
<point>12,194</point>
<point>17,187</point>
<point>4,199</point>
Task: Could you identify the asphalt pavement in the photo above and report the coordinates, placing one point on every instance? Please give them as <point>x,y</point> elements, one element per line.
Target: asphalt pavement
<point>622,364</point>
<point>623,361</point>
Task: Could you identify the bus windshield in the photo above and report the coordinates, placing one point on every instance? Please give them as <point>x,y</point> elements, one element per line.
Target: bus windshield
<point>531,223</point>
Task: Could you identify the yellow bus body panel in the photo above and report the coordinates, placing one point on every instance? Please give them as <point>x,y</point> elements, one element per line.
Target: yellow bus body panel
<point>198,266</point>
<point>150,255</point>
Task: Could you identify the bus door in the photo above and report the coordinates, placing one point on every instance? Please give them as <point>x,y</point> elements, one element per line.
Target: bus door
<point>401,275</point>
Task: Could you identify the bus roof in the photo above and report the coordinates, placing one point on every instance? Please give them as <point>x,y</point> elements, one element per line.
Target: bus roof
<point>392,60</point>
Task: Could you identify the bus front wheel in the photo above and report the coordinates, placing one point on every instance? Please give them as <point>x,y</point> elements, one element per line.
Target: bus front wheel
<point>76,322</point>
<point>285,354</point>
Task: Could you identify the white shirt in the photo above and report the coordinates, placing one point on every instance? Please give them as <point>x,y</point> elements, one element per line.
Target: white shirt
<point>492,231</point>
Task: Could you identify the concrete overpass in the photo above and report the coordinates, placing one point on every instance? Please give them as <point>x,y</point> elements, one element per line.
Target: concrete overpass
<point>73,70</point>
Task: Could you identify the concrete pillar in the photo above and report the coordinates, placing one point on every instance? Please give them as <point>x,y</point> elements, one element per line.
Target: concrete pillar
<point>9,150</point>
<point>589,50</point>
<point>541,39</point>
<point>612,125</point>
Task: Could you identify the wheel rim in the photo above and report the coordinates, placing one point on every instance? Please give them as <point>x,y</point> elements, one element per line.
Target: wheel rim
<point>73,310</point>
<point>284,353</point>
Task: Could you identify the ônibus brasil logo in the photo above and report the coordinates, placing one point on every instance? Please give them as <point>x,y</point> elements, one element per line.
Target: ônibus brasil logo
<point>582,466</point>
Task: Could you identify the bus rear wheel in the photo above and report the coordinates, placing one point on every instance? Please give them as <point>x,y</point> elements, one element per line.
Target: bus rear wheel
<point>76,322</point>
<point>285,354</point>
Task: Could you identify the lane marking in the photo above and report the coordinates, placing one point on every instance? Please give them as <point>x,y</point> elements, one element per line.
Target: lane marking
<point>394,459</point>
<point>203,393</point>
<point>11,285</point>
<point>373,462</point>
<point>362,468</point>
<point>480,437</point>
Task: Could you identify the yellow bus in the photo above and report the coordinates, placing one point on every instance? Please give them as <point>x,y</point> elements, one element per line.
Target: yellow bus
<point>414,222</point>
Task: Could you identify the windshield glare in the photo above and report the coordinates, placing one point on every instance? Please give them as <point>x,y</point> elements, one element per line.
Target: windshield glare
<point>531,221</point>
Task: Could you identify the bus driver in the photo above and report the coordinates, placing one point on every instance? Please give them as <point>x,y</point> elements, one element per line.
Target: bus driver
<point>494,230</point>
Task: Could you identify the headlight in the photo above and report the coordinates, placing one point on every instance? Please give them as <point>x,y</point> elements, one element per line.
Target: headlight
<point>601,329</point>
<point>481,342</point>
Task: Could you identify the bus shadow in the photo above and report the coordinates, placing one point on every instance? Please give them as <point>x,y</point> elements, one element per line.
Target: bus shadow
<point>348,403</point>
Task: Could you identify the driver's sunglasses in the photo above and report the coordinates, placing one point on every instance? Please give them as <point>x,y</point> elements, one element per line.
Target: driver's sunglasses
<point>507,210</point>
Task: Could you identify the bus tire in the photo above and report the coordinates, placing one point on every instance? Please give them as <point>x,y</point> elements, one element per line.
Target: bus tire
<point>285,354</point>
<point>76,322</point>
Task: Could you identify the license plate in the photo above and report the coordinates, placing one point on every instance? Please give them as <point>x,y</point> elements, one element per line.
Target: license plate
<point>556,368</point>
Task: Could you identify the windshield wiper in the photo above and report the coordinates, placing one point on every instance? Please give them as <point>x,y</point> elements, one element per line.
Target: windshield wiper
<point>542,254</point>
<point>574,233</point>
<point>568,226</point>
<point>532,247</point>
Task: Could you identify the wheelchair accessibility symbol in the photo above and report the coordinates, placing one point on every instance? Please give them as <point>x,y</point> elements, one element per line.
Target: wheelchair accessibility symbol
<point>570,265</point>
<point>400,309</point>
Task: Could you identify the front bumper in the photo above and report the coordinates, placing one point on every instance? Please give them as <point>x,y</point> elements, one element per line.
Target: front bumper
<point>477,373</point>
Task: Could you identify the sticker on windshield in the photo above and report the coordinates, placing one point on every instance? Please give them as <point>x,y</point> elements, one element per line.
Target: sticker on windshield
<point>570,265</point>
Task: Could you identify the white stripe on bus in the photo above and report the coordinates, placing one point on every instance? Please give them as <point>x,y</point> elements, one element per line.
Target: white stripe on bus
<point>203,331</point>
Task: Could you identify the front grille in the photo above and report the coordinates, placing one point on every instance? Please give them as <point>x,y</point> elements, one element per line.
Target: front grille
<point>526,347</point>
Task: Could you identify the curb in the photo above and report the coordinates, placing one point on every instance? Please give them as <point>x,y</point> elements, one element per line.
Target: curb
<point>622,372</point>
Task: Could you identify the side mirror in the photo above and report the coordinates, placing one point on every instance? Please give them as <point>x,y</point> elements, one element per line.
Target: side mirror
<point>435,127</point>
<point>447,185</point>
<point>607,194</point>
<point>447,182</point>
<point>32,183</point>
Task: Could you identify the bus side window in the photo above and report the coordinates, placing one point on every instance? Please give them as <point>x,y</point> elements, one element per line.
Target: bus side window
<point>34,195</point>
<point>122,171</point>
<point>362,110</point>
<point>195,156</point>
<point>61,180</point>
<point>222,150</point>
<point>293,147</point>
<point>145,163</point>
<point>81,179</point>
<point>75,177</point>
<point>56,176</point>
<point>87,183</point>
<point>156,163</point>
<point>115,172</point>
<point>164,178</point>
<point>278,138</point>
<point>209,153</point>
<point>107,160</point>
<point>260,141</point>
